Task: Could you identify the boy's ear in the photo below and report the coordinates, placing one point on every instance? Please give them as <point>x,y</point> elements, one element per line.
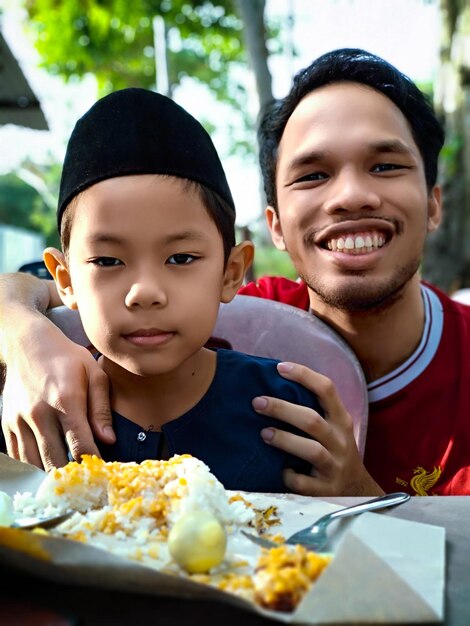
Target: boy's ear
<point>274,225</point>
<point>57,266</point>
<point>239,261</point>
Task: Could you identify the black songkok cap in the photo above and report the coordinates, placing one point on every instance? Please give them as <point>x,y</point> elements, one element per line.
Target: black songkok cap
<point>137,131</point>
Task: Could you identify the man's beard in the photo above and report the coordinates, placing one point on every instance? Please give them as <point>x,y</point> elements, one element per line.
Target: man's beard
<point>362,295</point>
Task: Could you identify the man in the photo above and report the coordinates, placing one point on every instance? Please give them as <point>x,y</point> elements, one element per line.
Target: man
<point>349,159</point>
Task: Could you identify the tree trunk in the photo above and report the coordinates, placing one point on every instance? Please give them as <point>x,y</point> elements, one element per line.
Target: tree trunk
<point>447,256</point>
<point>252,14</point>
<point>160,45</point>
<point>254,29</point>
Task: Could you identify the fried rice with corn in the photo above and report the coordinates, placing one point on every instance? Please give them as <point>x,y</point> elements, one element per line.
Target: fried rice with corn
<point>130,510</point>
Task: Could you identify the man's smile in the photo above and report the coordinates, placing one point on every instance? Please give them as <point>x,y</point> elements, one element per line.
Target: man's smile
<point>354,237</point>
<point>357,243</point>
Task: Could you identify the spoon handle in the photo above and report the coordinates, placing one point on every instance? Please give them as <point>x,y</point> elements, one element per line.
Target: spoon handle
<point>390,499</point>
<point>27,523</point>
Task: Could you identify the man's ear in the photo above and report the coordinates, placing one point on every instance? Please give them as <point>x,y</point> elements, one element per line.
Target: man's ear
<point>57,265</point>
<point>274,225</point>
<point>239,261</point>
<point>434,209</point>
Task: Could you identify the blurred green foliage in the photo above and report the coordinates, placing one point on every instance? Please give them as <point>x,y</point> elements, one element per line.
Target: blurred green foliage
<point>451,155</point>
<point>113,39</point>
<point>17,202</point>
<point>269,261</point>
<point>21,205</point>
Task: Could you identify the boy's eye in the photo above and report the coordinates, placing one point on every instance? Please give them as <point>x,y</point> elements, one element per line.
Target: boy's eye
<point>106,261</point>
<point>181,259</point>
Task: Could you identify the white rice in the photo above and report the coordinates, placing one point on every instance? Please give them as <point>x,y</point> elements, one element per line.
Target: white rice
<point>128,499</point>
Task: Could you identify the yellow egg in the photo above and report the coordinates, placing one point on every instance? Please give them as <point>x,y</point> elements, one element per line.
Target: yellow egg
<point>197,542</point>
<point>6,510</point>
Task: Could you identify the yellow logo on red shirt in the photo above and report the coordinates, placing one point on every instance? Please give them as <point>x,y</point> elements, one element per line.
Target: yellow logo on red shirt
<point>422,480</point>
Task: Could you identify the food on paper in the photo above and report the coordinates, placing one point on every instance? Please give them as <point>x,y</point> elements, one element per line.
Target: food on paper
<point>131,504</point>
<point>197,542</point>
<point>284,574</point>
<point>6,509</point>
<point>174,516</point>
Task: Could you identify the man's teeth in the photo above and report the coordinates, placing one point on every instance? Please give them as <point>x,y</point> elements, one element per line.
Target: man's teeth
<point>356,244</point>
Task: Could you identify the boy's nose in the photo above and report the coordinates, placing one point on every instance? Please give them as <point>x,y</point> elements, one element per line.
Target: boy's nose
<point>145,294</point>
<point>352,192</point>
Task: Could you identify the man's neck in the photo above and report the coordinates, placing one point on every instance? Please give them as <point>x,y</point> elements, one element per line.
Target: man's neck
<point>151,401</point>
<point>381,340</point>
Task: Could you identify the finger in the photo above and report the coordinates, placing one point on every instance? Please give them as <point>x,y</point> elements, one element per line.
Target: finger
<point>43,432</point>
<point>303,417</point>
<point>322,386</point>
<point>99,411</point>
<point>307,449</point>
<point>27,448</point>
<point>52,448</point>
<point>303,485</point>
<point>73,429</point>
<point>79,436</point>
<point>11,444</point>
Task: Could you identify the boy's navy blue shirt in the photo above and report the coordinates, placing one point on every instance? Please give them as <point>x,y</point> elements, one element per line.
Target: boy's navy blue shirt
<point>223,429</point>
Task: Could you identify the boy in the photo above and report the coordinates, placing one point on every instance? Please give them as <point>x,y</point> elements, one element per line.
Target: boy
<point>146,220</point>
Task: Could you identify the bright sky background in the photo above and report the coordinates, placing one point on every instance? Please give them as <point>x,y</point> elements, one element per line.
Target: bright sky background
<point>404,32</point>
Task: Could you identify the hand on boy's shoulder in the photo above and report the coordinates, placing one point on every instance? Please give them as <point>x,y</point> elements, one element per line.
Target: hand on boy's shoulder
<point>43,413</point>
<point>328,445</point>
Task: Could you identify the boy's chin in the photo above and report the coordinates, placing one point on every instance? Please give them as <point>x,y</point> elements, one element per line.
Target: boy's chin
<point>143,371</point>
<point>136,368</point>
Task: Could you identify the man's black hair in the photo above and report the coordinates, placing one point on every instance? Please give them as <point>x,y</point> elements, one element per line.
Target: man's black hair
<point>358,66</point>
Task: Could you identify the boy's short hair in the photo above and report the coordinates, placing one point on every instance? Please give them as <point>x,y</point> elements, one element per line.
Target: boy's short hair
<point>137,131</point>
<point>357,66</point>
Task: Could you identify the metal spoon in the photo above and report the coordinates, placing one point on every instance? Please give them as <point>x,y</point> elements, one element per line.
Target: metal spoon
<point>315,537</point>
<point>28,523</point>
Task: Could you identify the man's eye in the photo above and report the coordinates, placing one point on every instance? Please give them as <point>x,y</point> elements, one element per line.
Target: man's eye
<point>388,167</point>
<point>106,261</point>
<point>181,259</point>
<point>312,177</point>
